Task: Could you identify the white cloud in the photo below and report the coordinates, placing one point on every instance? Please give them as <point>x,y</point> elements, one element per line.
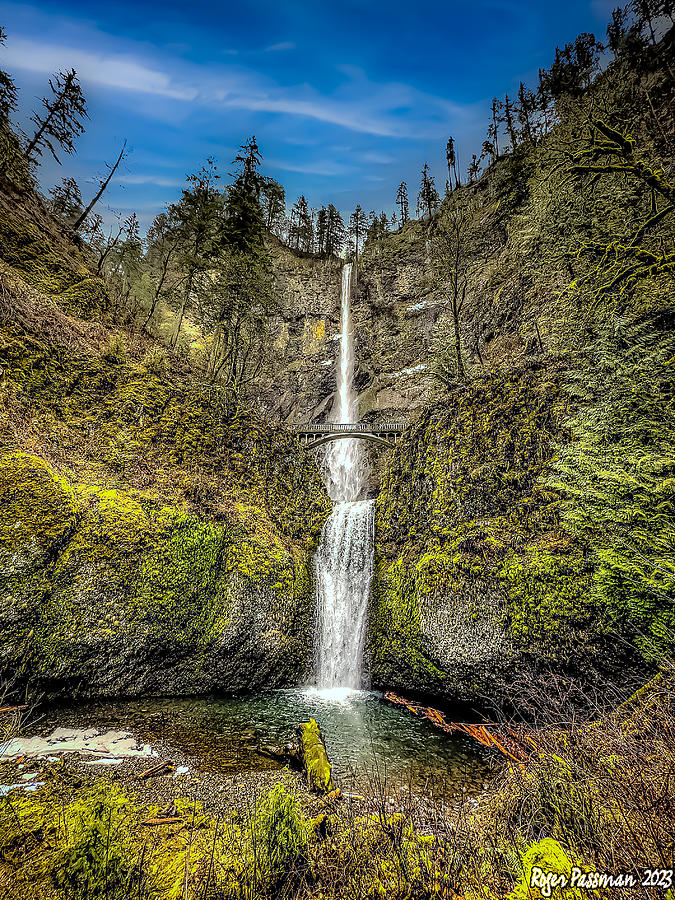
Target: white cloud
<point>284,45</point>
<point>384,109</point>
<point>378,158</point>
<point>328,168</point>
<point>157,180</point>
<point>121,72</point>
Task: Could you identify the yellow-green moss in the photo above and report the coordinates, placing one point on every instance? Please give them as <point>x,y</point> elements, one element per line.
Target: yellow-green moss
<point>314,757</point>
<point>548,592</point>
<point>551,864</point>
<point>38,510</point>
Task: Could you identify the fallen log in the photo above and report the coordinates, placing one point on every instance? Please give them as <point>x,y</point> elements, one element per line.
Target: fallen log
<point>511,742</point>
<point>161,769</point>
<point>314,758</point>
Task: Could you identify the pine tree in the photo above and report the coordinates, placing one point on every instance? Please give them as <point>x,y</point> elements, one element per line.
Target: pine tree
<point>402,201</point>
<point>335,231</point>
<point>7,89</point>
<point>428,195</point>
<point>67,200</point>
<point>493,128</point>
<point>303,228</point>
<point>573,68</point>
<point>198,220</point>
<point>645,12</point>
<point>616,31</point>
<point>244,221</point>
<point>60,123</point>
<point>526,109</point>
<point>273,201</point>
<point>451,159</point>
<point>358,223</point>
<point>474,169</point>
<point>508,120</point>
<point>321,230</point>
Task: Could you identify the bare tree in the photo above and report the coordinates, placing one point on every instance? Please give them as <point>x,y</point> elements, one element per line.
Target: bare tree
<point>103,184</point>
<point>454,242</point>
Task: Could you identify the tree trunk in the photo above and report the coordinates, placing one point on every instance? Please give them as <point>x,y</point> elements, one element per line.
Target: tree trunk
<point>52,112</point>
<point>104,185</point>
<point>458,339</point>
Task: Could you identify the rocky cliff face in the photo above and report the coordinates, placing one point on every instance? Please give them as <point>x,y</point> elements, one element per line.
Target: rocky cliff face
<point>150,541</point>
<point>304,339</point>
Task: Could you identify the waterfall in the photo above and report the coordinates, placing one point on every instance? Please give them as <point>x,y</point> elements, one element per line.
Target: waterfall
<point>343,564</point>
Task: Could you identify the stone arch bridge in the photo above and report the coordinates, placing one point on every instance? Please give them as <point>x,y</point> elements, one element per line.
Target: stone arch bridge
<point>312,436</point>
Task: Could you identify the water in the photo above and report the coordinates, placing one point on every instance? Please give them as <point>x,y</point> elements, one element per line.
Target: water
<point>343,568</point>
<point>343,462</point>
<point>343,565</point>
<point>367,740</point>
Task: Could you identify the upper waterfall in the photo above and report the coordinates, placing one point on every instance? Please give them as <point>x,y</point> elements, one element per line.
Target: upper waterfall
<point>343,462</point>
<point>343,564</point>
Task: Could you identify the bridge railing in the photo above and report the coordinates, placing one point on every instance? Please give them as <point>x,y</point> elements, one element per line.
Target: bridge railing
<point>339,427</point>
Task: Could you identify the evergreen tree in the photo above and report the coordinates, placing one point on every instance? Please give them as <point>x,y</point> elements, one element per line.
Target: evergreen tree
<point>273,201</point>
<point>493,128</point>
<point>335,232</point>
<point>60,122</point>
<point>402,201</point>
<point>357,228</point>
<point>235,304</point>
<point>474,169</point>
<point>527,104</point>
<point>198,220</point>
<point>7,89</point>
<point>302,232</point>
<point>646,11</point>
<point>67,200</point>
<point>321,230</point>
<point>544,103</point>
<point>508,120</point>
<point>617,31</point>
<point>428,195</point>
<point>573,68</point>
<point>451,159</point>
<point>244,227</point>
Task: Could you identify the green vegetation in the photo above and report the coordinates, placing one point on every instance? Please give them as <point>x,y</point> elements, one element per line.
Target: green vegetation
<point>314,758</point>
<point>539,481</point>
<point>588,795</point>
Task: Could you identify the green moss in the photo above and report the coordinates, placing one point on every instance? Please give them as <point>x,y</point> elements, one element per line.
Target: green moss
<point>541,859</point>
<point>38,511</point>
<point>467,535</point>
<point>548,590</point>
<point>314,758</point>
<point>34,255</point>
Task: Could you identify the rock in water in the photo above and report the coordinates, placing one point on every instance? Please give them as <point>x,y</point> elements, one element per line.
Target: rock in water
<point>314,757</point>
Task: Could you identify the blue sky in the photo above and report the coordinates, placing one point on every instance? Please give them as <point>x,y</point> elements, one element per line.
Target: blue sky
<point>346,100</point>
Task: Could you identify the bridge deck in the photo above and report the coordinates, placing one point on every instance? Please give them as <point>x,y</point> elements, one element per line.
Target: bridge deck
<point>361,428</point>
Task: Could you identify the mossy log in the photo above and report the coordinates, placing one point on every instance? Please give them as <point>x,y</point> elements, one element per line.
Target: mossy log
<point>314,758</point>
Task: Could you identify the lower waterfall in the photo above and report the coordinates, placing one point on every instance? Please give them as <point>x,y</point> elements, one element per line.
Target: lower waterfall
<point>343,569</point>
<point>343,564</point>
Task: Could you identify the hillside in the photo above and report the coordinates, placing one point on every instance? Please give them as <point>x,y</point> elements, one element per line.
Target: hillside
<point>526,523</point>
<point>152,540</point>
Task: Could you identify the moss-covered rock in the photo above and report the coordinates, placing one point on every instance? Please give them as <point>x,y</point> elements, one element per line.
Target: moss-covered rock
<point>108,592</point>
<point>476,582</point>
<point>38,510</point>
